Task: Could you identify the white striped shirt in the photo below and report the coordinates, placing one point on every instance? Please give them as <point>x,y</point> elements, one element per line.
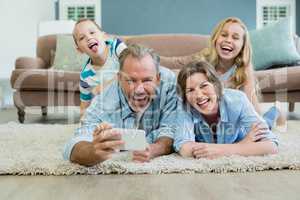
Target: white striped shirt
<point>90,78</point>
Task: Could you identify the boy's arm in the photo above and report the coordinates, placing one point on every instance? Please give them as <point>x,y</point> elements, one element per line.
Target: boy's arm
<point>99,88</point>
<point>119,47</point>
<point>83,107</point>
<point>85,95</point>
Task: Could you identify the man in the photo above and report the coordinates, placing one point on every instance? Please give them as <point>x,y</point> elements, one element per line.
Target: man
<point>144,97</point>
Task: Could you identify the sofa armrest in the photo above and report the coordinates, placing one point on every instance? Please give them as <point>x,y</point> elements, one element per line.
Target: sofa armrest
<point>30,63</point>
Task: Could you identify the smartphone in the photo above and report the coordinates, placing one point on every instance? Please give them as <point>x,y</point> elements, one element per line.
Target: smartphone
<point>135,139</point>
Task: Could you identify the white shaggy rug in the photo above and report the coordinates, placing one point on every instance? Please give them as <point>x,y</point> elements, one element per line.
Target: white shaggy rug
<point>34,149</point>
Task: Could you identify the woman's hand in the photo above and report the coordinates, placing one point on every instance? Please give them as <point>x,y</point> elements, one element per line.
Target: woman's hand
<point>206,150</point>
<point>257,133</point>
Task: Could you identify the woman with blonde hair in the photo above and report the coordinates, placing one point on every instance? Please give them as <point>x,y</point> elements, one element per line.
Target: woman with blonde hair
<point>229,51</point>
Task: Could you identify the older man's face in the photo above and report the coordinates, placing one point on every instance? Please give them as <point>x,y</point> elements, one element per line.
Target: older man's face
<point>139,80</point>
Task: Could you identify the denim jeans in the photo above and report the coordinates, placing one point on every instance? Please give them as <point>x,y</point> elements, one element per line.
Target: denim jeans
<point>271,116</point>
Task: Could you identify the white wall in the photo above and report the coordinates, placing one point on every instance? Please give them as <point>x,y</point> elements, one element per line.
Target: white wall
<point>18,32</point>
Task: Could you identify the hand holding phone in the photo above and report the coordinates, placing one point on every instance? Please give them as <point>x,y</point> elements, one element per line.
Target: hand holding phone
<point>134,139</point>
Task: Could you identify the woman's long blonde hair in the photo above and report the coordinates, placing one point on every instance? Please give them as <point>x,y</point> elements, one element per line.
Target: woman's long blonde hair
<point>243,59</point>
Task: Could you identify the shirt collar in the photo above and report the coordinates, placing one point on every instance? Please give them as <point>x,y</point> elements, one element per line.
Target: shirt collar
<point>223,110</point>
<point>197,117</point>
<point>125,108</point>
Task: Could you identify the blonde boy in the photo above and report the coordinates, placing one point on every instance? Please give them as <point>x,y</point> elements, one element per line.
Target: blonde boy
<point>102,65</point>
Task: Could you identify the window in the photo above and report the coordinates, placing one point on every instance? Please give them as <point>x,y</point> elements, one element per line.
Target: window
<point>270,11</point>
<point>77,9</point>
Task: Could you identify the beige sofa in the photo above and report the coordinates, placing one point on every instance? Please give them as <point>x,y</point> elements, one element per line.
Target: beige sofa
<point>37,84</point>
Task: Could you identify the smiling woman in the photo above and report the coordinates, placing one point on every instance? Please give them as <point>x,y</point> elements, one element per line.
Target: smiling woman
<point>213,123</point>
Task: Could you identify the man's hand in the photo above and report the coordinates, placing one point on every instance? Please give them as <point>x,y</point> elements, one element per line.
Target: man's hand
<point>106,141</point>
<point>162,146</point>
<point>209,151</point>
<point>142,156</point>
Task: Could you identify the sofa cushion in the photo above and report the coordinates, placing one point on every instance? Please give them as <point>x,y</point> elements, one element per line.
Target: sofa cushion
<point>273,45</point>
<point>50,80</point>
<point>67,58</point>
<point>46,47</point>
<point>285,78</point>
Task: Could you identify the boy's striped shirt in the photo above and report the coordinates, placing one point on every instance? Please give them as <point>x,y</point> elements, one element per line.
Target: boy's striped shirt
<point>89,77</point>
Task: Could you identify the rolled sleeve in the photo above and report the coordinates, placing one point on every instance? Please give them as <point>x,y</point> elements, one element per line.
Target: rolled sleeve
<point>167,110</point>
<point>272,137</point>
<point>71,143</point>
<point>85,91</point>
<point>249,116</point>
<point>184,129</point>
<point>166,132</point>
<point>85,131</point>
<point>161,132</point>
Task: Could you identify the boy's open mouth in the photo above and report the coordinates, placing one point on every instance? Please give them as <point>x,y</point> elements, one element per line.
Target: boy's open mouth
<point>93,46</point>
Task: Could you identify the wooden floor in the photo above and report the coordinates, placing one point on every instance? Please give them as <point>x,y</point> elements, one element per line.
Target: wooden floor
<point>283,184</point>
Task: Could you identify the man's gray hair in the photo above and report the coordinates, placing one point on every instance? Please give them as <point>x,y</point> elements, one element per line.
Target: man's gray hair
<point>139,52</point>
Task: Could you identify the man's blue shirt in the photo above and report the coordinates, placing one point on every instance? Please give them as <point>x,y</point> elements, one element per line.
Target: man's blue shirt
<point>111,106</point>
